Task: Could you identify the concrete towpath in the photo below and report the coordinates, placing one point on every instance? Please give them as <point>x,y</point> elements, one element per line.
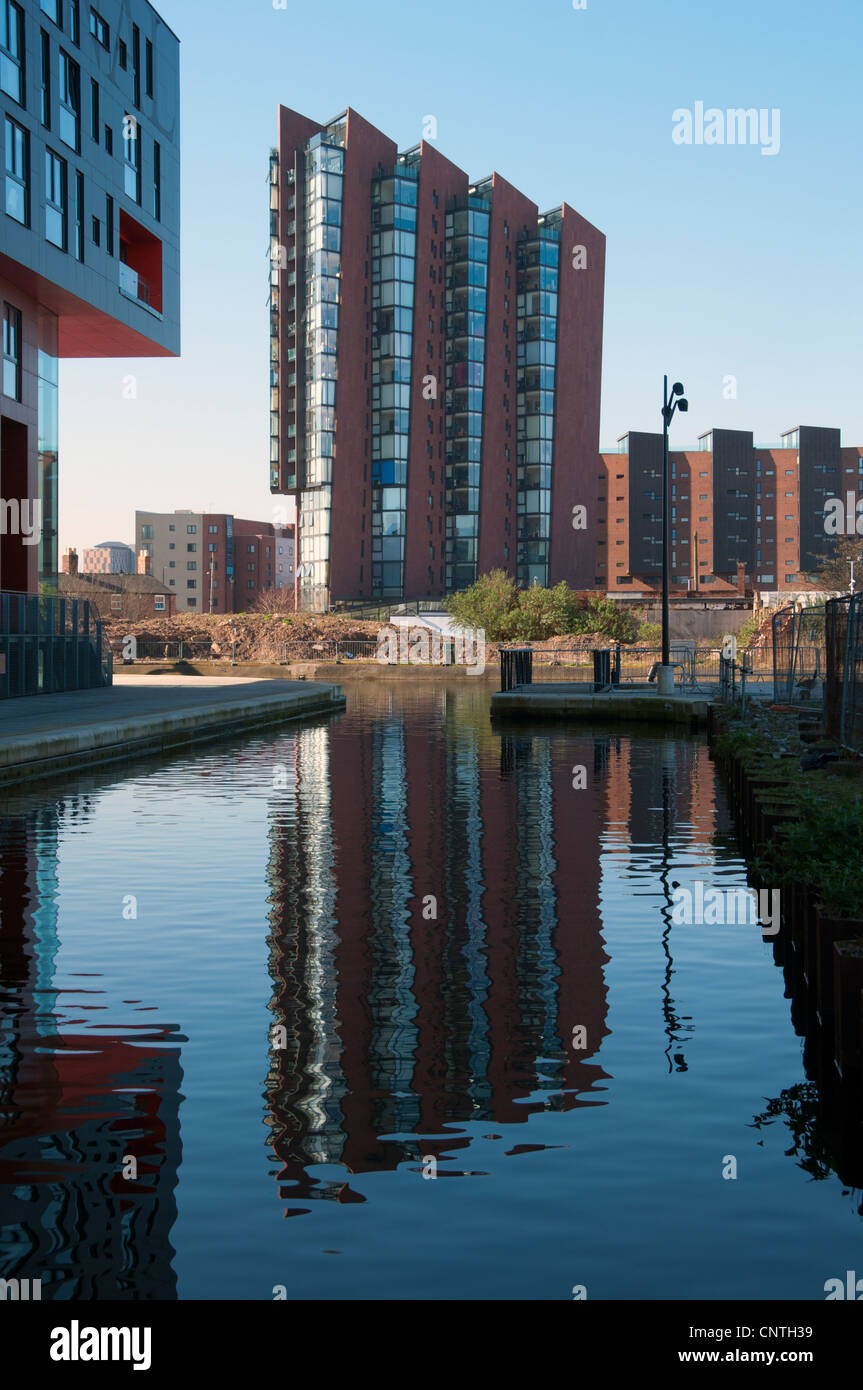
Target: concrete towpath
<point>46,734</point>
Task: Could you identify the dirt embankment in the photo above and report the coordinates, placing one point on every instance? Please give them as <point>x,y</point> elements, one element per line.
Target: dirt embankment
<point>246,637</point>
<point>258,638</point>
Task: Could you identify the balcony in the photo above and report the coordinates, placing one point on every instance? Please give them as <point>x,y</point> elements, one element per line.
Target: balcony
<point>133,285</point>
<point>140,265</point>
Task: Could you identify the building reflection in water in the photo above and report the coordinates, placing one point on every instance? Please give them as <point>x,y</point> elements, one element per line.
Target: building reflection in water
<point>402,1028</point>
<point>76,1101</point>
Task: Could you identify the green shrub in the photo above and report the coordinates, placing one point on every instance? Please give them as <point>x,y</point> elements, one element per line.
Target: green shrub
<point>509,614</point>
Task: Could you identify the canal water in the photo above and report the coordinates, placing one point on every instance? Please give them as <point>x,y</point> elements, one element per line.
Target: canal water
<point>394,1006</point>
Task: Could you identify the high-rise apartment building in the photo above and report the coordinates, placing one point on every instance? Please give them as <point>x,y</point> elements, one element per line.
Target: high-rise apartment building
<point>741,514</point>
<point>215,563</point>
<point>436,350</point>
<point>89,230</point>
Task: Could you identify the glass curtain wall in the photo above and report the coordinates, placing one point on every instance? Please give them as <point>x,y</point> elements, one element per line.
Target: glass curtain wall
<point>467,239</point>
<point>394,219</point>
<point>49,435</point>
<point>275,261</point>
<point>324,180</point>
<point>538,272</point>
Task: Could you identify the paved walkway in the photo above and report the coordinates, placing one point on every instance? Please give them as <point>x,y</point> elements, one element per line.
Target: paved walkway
<point>43,734</point>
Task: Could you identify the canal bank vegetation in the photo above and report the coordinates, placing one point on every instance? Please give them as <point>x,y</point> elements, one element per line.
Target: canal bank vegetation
<point>815,786</point>
<point>496,606</point>
<point>798,801</point>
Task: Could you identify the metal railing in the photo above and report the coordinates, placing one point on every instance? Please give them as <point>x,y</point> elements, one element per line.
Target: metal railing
<point>155,649</point>
<point>843,683</point>
<point>799,654</point>
<point>132,284</point>
<point>50,644</point>
<point>630,666</point>
<point>516,667</point>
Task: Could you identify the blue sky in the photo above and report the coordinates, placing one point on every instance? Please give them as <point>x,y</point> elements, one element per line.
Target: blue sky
<point>722,261</point>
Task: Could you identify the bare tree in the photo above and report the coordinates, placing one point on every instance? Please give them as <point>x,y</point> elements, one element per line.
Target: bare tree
<point>274,601</point>
<point>834,568</point>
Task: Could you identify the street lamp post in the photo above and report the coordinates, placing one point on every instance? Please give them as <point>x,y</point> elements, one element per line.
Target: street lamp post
<point>677,401</point>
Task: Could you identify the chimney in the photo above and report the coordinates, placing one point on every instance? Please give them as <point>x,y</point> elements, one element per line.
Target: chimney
<point>145,563</point>
<point>69,563</point>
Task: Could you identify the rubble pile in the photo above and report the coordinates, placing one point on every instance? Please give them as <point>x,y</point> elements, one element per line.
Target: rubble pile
<point>258,637</point>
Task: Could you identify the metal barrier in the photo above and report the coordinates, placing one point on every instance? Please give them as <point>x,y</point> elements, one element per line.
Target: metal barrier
<point>799,655</point>
<point>50,644</point>
<point>843,682</point>
<point>631,666</point>
<point>516,667</point>
<point>156,649</point>
<point>362,649</point>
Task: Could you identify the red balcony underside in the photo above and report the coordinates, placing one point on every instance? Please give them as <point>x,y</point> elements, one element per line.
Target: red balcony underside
<point>83,331</point>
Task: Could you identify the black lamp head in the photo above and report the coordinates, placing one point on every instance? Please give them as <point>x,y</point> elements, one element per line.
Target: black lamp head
<point>677,389</point>
<point>683,404</point>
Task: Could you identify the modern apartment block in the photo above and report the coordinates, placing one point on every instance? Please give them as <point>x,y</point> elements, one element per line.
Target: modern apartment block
<point>436,350</point>
<point>215,563</point>
<point>743,516</point>
<point>109,557</point>
<point>89,228</point>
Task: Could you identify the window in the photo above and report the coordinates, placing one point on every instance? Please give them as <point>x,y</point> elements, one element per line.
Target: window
<point>100,31</point>
<point>191,583</point>
<point>122,55</point>
<point>12,50</point>
<point>159,603</point>
<point>12,352</point>
<point>148,68</point>
<point>132,158</point>
<point>136,64</point>
<point>95,122</point>
<point>171,545</point>
<point>172,528</point>
<point>109,230</point>
<point>46,81</point>
<point>191,530</point>
<point>191,564</point>
<point>157,181</point>
<point>109,140</point>
<point>213,530</point>
<point>79,216</point>
<point>192,547</point>
<point>251,550</point>
<point>116,603</point>
<point>53,9</point>
<point>17,172</point>
<point>73,28</point>
<point>191,602</point>
<point>70,101</point>
<point>146,533</point>
<point>56,200</point>
<point>172,565</point>
<point>96,231</point>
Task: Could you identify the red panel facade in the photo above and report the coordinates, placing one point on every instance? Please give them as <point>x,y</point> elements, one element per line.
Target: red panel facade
<point>578,384</point>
